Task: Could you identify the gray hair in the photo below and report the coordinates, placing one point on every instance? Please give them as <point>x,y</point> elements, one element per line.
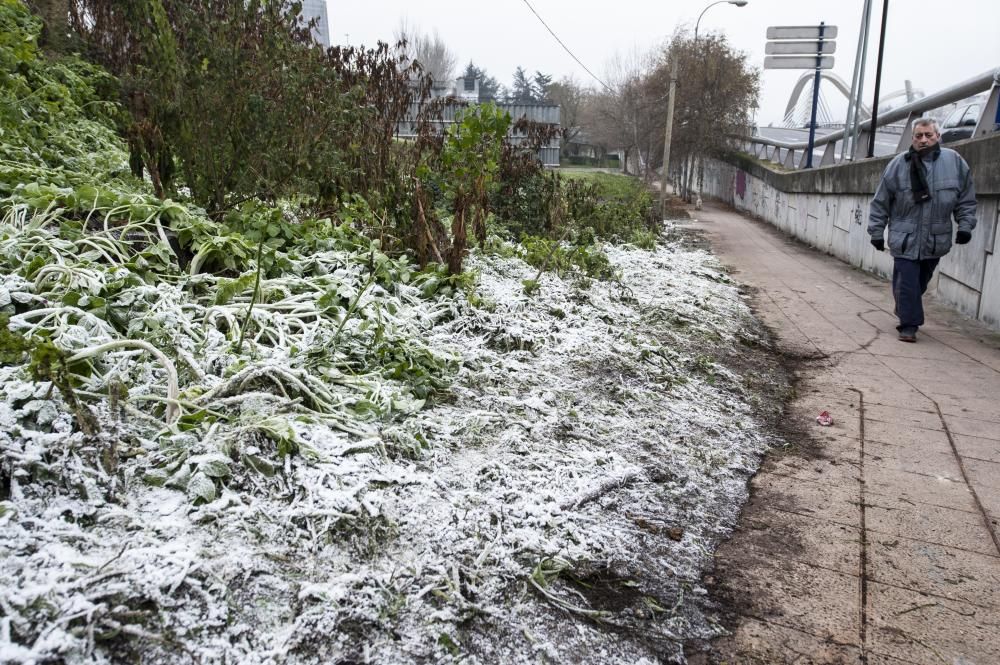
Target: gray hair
<point>925,122</point>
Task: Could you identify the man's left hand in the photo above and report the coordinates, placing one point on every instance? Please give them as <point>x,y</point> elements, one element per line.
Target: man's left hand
<point>962,237</point>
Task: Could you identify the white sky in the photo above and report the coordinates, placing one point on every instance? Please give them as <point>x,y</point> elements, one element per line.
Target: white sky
<point>934,44</point>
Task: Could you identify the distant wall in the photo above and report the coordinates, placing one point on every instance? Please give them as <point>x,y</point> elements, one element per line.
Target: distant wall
<point>547,114</point>
<point>828,209</point>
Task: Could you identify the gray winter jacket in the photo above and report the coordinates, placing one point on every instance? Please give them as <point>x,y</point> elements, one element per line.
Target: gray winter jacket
<point>923,231</point>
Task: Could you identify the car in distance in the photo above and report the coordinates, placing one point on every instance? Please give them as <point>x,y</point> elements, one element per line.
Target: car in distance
<point>960,123</point>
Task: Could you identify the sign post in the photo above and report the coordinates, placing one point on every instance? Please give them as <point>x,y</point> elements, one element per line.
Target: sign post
<point>802,47</point>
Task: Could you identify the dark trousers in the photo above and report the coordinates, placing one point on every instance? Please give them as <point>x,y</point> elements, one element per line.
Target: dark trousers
<point>909,281</point>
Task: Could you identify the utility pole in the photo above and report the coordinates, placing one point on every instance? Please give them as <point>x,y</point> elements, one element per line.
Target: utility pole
<point>666,142</point>
<point>878,81</point>
<point>857,85</point>
<point>815,102</point>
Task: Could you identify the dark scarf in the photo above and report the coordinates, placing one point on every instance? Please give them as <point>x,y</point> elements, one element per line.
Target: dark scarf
<point>918,178</point>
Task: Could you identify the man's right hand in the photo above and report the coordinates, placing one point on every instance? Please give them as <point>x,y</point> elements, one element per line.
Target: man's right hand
<point>878,243</point>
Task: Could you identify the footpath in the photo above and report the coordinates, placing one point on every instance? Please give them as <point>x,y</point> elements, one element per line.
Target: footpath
<point>874,540</point>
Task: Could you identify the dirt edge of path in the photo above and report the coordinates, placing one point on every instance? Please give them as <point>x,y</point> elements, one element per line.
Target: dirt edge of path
<point>789,371</point>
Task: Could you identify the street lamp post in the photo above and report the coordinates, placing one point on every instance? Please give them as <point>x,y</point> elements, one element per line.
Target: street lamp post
<point>738,3</point>
<point>670,102</point>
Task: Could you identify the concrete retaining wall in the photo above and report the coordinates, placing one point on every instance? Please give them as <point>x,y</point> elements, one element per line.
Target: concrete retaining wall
<point>828,209</point>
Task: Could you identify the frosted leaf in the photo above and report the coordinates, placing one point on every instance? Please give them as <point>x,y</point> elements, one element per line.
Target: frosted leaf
<point>74,337</point>
<point>201,487</point>
<point>212,465</point>
<point>17,391</point>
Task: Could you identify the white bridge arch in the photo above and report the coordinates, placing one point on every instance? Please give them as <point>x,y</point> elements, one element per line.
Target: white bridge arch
<point>864,111</point>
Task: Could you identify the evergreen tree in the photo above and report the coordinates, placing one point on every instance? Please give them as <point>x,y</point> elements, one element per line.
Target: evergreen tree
<point>541,85</point>
<point>489,88</point>
<point>522,89</point>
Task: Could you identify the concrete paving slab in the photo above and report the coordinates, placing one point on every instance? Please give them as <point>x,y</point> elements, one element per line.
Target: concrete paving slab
<point>805,539</point>
<point>971,426</point>
<point>983,407</point>
<point>899,434</point>
<point>787,494</point>
<point>975,447</point>
<point>938,378</point>
<point>983,476</point>
<point>845,448</point>
<point>761,643</point>
<point>975,343</point>
<point>930,630</point>
<point>930,524</point>
<point>935,570</point>
<point>887,345</point>
<point>828,471</point>
<point>930,559</point>
<point>811,401</point>
<point>913,459</point>
<point>888,390</point>
<point>923,418</point>
<point>814,600</point>
<point>916,489</point>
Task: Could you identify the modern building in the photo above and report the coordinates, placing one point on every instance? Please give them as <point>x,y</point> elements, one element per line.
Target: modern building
<point>317,9</point>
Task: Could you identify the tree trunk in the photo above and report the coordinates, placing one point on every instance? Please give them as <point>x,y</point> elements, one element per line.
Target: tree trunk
<point>689,180</point>
<point>55,21</point>
<point>684,180</point>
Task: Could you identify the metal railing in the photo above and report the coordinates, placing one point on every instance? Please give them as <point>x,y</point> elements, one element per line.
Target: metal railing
<point>785,152</point>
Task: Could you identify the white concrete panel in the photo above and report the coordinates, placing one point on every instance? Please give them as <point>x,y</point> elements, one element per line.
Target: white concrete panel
<point>989,305</point>
<point>957,295</point>
<point>966,263</point>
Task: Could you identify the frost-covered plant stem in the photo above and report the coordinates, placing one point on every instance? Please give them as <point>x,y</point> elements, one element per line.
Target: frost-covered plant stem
<point>173,392</point>
<point>353,306</point>
<point>253,299</point>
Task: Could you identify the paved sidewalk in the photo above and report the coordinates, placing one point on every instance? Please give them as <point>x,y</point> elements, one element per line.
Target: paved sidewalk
<point>875,540</point>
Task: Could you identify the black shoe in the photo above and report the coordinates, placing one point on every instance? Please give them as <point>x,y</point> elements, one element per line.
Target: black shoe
<point>908,335</point>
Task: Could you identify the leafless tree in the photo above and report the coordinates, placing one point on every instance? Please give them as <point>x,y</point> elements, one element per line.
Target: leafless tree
<point>430,50</point>
<point>617,117</point>
<point>570,96</point>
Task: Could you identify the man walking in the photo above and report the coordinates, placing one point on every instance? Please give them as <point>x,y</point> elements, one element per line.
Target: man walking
<point>919,192</point>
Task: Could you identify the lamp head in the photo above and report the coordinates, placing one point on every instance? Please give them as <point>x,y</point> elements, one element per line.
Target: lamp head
<point>739,3</point>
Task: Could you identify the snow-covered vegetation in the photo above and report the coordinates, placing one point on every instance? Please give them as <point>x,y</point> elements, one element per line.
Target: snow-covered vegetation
<point>580,454</point>
<point>262,434</point>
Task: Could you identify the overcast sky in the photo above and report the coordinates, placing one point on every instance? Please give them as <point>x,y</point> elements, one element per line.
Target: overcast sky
<point>934,44</point>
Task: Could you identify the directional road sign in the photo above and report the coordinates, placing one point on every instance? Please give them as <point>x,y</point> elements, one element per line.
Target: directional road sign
<point>801,32</point>
<point>798,62</point>
<point>800,47</point>
<point>803,47</point>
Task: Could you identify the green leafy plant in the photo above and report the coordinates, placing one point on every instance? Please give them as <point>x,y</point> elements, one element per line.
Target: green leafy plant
<point>470,163</point>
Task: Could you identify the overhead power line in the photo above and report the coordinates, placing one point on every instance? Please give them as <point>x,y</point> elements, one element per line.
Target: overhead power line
<point>566,48</point>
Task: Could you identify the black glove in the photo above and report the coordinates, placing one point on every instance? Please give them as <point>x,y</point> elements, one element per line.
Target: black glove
<point>878,243</point>
<point>963,237</point>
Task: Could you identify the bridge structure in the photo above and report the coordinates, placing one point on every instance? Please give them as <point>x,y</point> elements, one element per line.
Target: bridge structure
<point>798,108</point>
<point>791,154</point>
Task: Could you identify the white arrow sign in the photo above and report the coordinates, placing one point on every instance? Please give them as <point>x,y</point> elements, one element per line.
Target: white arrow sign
<point>797,62</point>
<point>799,48</point>
<point>801,32</point>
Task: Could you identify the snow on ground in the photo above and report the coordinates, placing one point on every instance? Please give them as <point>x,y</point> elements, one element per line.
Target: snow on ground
<point>560,504</point>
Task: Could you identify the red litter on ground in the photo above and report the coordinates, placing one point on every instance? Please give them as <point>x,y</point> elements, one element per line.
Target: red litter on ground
<point>825,419</point>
